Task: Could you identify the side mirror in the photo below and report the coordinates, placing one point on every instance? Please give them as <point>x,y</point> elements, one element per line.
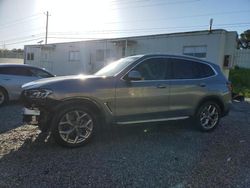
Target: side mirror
<point>134,75</point>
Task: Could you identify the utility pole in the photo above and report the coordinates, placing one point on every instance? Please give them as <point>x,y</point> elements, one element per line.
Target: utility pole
<point>210,24</point>
<point>47,20</point>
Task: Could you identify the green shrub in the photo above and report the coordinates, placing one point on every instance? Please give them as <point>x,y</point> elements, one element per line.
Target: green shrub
<point>240,78</point>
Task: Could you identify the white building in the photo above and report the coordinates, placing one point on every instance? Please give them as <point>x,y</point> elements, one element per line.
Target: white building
<point>87,57</point>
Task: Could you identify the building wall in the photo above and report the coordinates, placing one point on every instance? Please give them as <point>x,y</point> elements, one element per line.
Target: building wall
<point>174,45</point>
<point>242,58</point>
<point>36,51</point>
<point>218,45</point>
<point>93,55</point>
<point>56,58</point>
<point>230,48</point>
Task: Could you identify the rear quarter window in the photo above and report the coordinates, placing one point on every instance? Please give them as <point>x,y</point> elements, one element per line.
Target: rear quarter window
<point>186,69</point>
<point>202,70</point>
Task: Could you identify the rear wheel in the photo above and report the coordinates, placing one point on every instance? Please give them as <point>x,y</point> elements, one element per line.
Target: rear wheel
<point>3,96</point>
<point>74,126</point>
<point>208,116</point>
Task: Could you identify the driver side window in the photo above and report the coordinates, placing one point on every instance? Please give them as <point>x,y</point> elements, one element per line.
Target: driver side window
<point>152,69</point>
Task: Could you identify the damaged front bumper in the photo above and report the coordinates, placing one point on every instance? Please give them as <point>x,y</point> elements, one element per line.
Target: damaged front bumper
<point>31,115</point>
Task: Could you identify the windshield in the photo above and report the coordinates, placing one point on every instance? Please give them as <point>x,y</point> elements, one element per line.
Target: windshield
<point>117,66</point>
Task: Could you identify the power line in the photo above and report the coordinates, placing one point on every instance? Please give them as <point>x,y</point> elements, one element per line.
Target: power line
<point>29,30</point>
<point>77,38</point>
<point>156,4</point>
<point>18,21</point>
<point>126,2</point>
<point>182,17</point>
<point>65,36</point>
<point>133,2</point>
<point>58,34</point>
<point>91,38</point>
<point>146,29</point>
<point>173,18</point>
<point>25,37</point>
<point>24,41</point>
<point>31,17</point>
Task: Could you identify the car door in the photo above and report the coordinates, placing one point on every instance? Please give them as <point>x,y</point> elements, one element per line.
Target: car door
<point>186,87</point>
<point>146,99</point>
<point>15,77</point>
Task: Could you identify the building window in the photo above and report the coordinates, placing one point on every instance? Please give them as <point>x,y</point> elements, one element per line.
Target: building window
<point>227,61</point>
<point>30,56</point>
<point>196,51</point>
<point>99,55</point>
<point>74,56</point>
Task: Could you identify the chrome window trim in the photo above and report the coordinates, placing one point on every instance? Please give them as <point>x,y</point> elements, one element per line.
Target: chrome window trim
<point>182,58</point>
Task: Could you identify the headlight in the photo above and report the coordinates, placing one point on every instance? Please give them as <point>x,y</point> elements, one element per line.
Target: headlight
<point>38,93</point>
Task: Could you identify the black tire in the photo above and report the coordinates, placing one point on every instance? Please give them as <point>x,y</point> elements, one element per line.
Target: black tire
<point>204,113</point>
<point>3,97</point>
<point>44,124</point>
<point>62,114</point>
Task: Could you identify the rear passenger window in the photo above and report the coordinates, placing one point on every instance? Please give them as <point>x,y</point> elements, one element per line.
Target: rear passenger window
<point>153,69</point>
<point>185,69</point>
<point>182,69</point>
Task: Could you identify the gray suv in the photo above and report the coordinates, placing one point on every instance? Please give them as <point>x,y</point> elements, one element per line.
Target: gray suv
<point>132,90</point>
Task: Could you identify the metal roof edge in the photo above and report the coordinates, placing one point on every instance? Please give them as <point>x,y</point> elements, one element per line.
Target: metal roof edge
<point>215,31</point>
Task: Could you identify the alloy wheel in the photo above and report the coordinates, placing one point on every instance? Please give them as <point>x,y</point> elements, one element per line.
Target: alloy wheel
<point>75,126</point>
<point>209,116</point>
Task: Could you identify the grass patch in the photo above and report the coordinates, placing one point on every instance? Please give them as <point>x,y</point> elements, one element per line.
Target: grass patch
<point>240,78</point>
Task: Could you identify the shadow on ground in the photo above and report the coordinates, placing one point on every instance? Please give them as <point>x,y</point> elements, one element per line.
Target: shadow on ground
<point>154,155</point>
<point>10,116</point>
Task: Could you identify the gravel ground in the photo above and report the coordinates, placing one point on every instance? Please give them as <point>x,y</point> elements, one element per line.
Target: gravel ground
<point>164,155</point>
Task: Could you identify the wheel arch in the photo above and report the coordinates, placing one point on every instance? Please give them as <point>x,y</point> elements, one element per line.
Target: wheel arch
<point>6,91</point>
<point>212,98</point>
<point>87,102</point>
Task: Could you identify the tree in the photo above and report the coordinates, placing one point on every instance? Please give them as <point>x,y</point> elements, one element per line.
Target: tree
<point>244,40</point>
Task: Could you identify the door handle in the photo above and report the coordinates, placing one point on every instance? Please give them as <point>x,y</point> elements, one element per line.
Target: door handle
<point>161,86</point>
<point>6,79</point>
<point>202,85</point>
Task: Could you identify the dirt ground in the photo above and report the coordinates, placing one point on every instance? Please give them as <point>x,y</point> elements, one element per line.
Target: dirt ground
<point>152,155</point>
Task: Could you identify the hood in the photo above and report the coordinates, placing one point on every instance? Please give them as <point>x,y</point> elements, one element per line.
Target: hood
<point>48,81</point>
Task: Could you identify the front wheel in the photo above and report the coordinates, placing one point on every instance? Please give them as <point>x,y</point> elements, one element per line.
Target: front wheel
<point>208,116</point>
<point>74,126</point>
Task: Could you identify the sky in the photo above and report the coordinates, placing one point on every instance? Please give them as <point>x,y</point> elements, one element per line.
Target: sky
<point>23,22</point>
